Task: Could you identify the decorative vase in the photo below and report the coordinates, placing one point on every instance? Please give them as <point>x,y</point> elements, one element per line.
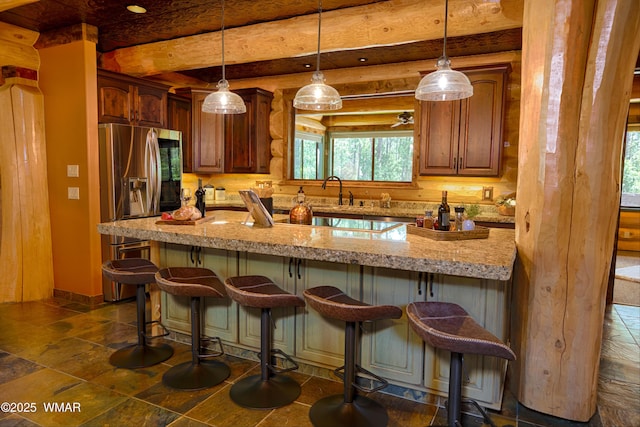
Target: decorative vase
<point>468,225</point>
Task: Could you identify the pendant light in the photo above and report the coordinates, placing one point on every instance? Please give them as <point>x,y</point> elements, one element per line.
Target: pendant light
<point>444,84</point>
<point>318,96</point>
<point>223,101</point>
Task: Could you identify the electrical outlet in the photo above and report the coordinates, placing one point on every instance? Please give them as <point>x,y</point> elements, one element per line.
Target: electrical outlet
<point>487,193</point>
<point>73,193</point>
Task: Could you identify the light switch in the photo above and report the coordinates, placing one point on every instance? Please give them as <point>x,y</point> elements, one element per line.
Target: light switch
<point>73,171</point>
<point>73,193</point>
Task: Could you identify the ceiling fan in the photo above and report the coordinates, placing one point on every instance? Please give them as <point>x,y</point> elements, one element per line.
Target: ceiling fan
<point>405,118</point>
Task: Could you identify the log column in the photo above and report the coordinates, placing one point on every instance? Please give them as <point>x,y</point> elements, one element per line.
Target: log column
<point>25,239</point>
<point>577,68</point>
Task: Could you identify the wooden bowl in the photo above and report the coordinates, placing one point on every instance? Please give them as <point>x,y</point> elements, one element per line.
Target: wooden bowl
<point>507,210</point>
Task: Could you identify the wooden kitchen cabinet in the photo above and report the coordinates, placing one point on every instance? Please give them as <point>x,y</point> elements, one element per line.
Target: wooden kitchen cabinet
<point>465,137</point>
<point>208,137</point>
<point>247,137</point>
<point>127,100</point>
<point>179,118</point>
<point>232,143</point>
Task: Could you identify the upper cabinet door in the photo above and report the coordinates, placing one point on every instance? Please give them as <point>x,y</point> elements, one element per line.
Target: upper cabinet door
<point>481,123</point>
<point>151,106</point>
<point>179,118</point>
<point>439,127</point>
<point>208,137</point>
<point>127,100</point>
<point>115,103</point>
<point>247,136</point>
<point>465,137</point>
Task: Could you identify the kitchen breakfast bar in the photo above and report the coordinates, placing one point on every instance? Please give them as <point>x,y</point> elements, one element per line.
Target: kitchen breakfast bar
<point>380,264</point>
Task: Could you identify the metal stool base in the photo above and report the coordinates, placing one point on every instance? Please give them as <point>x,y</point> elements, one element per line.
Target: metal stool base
<point>254,393</point>
<point>332,411</point>
<point>191,376</point>
<point>141,356</point>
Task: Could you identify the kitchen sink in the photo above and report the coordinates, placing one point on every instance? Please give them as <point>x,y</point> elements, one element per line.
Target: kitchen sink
<point>351,224</point>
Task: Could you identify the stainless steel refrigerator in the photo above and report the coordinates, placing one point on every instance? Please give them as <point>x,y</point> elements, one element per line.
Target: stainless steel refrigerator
<point>140,176</point>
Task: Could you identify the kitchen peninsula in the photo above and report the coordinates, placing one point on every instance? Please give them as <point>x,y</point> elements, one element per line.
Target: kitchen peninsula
<point>378,267</point>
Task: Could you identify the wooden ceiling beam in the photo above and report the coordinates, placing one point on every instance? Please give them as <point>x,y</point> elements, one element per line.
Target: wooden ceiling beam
<point>16,47</point>
<point>10,4</point>
<point>380,24</point>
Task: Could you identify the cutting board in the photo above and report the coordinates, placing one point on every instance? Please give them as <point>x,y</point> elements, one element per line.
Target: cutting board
<point>185,222</point>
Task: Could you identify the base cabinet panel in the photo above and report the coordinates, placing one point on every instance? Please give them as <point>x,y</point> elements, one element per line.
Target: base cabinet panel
<point>273,267</point>
<point>485,301</point>
<point>320,339</point>
<point>390,348</point>
<point>219,314</point>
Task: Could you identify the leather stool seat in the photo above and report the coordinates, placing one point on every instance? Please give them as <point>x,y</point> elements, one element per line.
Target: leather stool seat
<point>449,327</point>
<point>260,292</point>
<point>349,409</point>
<point>138,272</point>
<point>270,389</point>
<point>195,283</point>
<point>332,302</point>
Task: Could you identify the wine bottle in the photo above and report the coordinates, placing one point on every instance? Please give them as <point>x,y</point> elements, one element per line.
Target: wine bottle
<point>200,205</point>
<point>443,213</point>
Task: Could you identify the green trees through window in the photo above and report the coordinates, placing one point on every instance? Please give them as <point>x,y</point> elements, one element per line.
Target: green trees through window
<point>631,173</point>
<point>383,156</point>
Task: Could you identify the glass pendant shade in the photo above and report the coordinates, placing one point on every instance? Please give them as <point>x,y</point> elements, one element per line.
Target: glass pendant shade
<point>444,84</point>
<point>223,101</point>
<point>317,95</point>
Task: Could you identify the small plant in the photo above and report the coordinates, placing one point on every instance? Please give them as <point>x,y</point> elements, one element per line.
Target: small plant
<point>508,200</point>
<point>472,211</point>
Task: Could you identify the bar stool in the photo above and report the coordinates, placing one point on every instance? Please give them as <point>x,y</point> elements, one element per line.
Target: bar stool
<point>196,283</point>
<point>449,327</point>
<point>268,390</point>
<point>349,409</point>
<point>139,272</point>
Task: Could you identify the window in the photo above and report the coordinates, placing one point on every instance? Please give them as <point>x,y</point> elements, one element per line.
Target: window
<point>308,156</point>
<point>381,156</point>
<point>631,172</point>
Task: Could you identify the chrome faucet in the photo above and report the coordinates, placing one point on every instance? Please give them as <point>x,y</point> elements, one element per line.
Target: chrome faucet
<point>324,187</point>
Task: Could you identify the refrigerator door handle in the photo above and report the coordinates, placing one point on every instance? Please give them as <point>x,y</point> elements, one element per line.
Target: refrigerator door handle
<point>152,170</point>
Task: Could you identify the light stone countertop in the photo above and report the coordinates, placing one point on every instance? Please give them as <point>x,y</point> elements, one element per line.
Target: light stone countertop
<point>490,258</point>
<point>406,209</point>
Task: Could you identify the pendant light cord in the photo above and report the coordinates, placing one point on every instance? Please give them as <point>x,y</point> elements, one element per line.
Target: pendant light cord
<point>446,15</point>
<point>319,26</point>
<point>222,32</point>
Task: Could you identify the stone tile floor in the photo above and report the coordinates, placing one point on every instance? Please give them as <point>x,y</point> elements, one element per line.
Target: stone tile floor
<point>58,351</point>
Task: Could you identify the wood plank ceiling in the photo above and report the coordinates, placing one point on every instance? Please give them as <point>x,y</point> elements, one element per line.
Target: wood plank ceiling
<point>120,30</point>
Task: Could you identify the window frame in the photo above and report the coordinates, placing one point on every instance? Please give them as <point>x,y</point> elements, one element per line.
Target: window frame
<point>320,148</point>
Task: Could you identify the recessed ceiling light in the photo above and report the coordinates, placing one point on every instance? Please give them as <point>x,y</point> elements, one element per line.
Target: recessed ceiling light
<point>307,65</point>
<point>363,59</point>
<point>136,9</point>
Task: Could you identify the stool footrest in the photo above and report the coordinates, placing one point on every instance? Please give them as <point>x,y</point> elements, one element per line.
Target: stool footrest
<point>485,416</point>
<point>368,375</point>
<point>203,347</point>
<point>151,337</point>
<point>283,356</point>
